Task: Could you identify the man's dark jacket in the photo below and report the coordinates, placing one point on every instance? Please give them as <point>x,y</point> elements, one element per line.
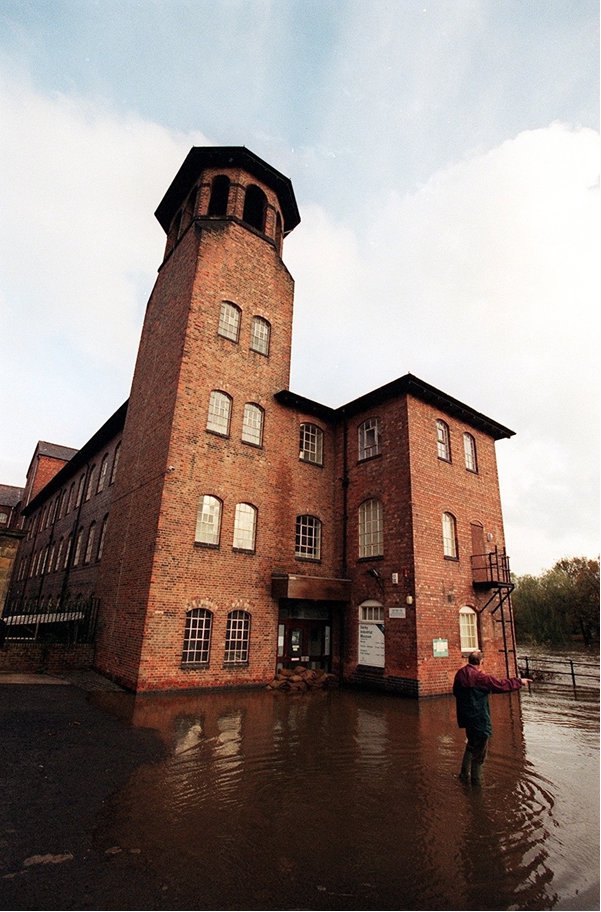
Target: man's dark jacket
<point>471,688</point>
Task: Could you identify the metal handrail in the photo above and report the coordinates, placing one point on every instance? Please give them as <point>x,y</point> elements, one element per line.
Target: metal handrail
<point>573,667</point>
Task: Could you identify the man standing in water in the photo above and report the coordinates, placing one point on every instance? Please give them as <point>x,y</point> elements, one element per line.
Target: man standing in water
<point>471,688</point>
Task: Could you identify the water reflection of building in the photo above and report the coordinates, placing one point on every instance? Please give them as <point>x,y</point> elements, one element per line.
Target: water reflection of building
<point>333,800</point>
<point>224,526</point>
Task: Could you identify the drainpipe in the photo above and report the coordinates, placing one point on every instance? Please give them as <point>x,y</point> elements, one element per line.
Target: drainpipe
<point>345,485</point>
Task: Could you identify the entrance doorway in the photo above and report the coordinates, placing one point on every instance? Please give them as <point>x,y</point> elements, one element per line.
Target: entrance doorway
<point>304,641</point>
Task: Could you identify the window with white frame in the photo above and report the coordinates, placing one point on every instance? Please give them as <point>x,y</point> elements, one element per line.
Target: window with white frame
<point>208,520</point>
<point>468,629</point>
<point>443,441</point>
<point>260,332</point>
<point>237,638</point>
<point>311,444</point>
<point>449,535</point>
<point>245,527</point>
<point>369,438</point>
<point>308,537</point>
<point>229,321</point>
<point>252,424</point>
<point>220,410</point>
<point>371,613</point>
<point>469,449</point>
<point>371,531</point>
<point>197,637</point>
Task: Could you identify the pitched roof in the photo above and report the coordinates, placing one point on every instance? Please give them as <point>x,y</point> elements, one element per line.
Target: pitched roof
<point>10,495</point>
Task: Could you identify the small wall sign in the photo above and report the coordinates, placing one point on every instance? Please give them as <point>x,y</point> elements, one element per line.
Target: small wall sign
<point>440,648</point>
<point>397,612</point>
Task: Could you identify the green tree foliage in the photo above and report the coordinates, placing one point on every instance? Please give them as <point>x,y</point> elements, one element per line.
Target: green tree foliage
<point>560,604</point>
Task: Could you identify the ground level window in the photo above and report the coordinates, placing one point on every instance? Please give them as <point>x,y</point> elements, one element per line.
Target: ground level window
<point>237,636</point>
<point>468,629</point>
<point>197,637</point>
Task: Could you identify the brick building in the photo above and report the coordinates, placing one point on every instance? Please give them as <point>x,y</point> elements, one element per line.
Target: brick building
<point>223,526</point>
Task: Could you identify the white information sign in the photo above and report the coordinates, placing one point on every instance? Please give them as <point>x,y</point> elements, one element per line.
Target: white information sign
<point>399,612</point>
<point>371,645</point>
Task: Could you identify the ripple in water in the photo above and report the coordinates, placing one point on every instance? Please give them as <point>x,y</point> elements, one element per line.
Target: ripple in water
<point>351,800</point>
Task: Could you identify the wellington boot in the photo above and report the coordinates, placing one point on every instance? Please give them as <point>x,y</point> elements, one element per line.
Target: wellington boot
<point>466,766</point>
<point>477,773</point>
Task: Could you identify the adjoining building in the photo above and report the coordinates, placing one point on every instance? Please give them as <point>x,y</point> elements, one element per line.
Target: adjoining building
<point>223,527</point>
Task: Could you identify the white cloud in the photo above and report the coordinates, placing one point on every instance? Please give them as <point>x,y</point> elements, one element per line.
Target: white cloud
<point>485,283</point>
<point>79,250</point>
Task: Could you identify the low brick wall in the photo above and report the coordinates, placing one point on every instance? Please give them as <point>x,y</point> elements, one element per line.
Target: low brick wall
<point>46,658</point>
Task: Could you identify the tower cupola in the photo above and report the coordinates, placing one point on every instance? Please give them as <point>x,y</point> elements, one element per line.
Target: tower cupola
<point>229,182</point>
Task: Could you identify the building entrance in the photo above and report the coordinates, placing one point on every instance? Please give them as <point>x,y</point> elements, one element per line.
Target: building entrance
<point>304,641</point>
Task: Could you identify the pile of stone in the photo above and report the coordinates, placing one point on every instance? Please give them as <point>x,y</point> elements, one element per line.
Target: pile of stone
<point>301,678</point>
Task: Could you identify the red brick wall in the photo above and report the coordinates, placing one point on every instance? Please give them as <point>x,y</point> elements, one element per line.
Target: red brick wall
<point>443,586</point>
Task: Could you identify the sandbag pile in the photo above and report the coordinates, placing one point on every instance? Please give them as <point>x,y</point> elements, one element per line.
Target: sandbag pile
<point>301,678</point>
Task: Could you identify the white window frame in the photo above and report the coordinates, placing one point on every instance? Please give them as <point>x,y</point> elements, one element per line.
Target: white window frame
<point>197,637</point>
<point>237,638</point>
<point>449,536</point>
<point>252,424</point>
<point>208,520</point>
<point>369,438</point>
<point>308,537</point>
<point>311,443</point>
<point>230,317</point>
<point>260,335</point>
<point>219,413</point>
<point>443,440</point>
<point>468,629</point>
<point>371,528</point>
<point>245,527</point>
<point>469,450</point>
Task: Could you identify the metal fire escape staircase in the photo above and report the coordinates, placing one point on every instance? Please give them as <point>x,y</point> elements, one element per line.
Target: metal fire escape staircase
<point>491,574</point>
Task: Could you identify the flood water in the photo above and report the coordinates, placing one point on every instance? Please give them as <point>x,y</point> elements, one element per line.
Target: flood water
<point>345,799</point>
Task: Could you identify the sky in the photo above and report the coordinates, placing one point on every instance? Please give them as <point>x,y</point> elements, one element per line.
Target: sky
<point>445,161</point>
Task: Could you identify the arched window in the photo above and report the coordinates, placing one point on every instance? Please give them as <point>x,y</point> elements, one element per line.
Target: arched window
<point>237,637</point>
<point>102,537</point>
<point>103,470</point>
<point>469,449</point>
<point>229,321</point>
<point>78,543</point>
<point>252,424</point>
<point>197,637</point>
<point>245,527</point>
<point>90,485</point>
<point>443,441</point>
<point>115,463</point>
<point>371,532</point>
<point>220,191</point>
<point>260,332</point>
<point>449,535</point>
<point>468,629</point>
<point>208,520</point>
<point>369,438</point>
<point>255,204</point>
<point>220,410</point>
<point>90,543</point>
<point>308,537</point>
<point>311,444</point>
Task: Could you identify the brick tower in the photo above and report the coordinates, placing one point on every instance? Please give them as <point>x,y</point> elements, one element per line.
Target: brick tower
<point>215,347</point>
